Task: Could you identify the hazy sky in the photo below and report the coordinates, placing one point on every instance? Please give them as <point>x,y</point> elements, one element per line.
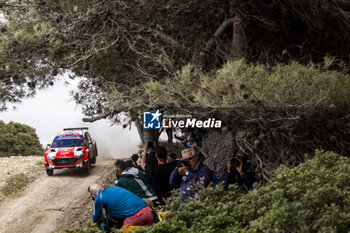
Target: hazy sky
<point>53,109</point>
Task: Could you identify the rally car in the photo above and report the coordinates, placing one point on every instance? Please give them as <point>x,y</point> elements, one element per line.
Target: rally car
<point>72,148</point>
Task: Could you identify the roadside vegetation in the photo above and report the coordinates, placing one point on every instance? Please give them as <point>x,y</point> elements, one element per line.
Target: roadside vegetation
<point>18,140</point>
<point>15,183</point>
<point>312,197</point>
<point>17,173</point>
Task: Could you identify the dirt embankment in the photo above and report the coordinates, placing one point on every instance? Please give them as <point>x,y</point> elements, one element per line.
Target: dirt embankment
<point>49,204</point>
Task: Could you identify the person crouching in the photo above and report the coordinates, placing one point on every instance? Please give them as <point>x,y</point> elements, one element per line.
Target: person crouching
<point>121,206</point>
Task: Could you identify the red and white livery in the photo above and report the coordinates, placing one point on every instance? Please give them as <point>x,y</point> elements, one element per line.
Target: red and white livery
<point>72,148</point>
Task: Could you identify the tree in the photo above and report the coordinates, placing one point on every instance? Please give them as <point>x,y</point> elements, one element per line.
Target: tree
<point>18,139</point>
<point>120,45</point>
<point>135,56</point>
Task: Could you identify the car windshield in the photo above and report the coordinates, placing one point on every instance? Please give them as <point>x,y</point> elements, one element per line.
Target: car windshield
<point>68,143</point>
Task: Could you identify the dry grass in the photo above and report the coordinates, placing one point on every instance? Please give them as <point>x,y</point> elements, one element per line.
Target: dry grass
<point>15,183</point>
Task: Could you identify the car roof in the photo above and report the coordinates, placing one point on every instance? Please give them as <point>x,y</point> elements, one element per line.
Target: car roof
<point>73,132</point>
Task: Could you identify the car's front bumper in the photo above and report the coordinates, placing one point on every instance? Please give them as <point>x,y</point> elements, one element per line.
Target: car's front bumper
<point>66,163</point>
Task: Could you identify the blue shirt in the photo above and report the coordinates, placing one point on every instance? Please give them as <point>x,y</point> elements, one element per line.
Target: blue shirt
<point>200,171</point>
<point>119,203</point>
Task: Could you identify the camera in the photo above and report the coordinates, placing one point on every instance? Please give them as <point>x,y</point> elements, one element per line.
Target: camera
<point>180,163</point>
<point>235,161</point>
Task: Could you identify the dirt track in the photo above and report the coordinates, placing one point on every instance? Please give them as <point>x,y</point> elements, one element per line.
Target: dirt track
<point>52,204</point>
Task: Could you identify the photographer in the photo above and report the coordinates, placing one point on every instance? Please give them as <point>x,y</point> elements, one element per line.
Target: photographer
<point>237,172</point>
<point>189,170</point>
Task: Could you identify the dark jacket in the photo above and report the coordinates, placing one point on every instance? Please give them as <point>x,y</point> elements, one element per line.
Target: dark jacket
<point>159,175</point>
<point>244,181</point>
<point>185,181</point>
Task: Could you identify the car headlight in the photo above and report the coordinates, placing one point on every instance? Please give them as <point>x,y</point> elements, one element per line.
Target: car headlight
<point>79,154</point>
<point>51,155</point>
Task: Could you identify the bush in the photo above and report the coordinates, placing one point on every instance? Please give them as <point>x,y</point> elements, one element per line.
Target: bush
<point>18,139</point>
<point>312,197</point>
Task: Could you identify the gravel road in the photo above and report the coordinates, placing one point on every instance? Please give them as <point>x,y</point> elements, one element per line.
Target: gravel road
<point>52,204</point>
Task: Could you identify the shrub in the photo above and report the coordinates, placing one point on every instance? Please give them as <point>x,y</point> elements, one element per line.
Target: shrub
<point>312,197</point>
<point>18,139</point>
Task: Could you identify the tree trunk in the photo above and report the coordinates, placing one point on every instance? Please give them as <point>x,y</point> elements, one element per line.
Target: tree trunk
<point>220,146</point>
<point>146,134</point>
<point>140,129</point>
<point>239,38</point>
<point>150,135</point>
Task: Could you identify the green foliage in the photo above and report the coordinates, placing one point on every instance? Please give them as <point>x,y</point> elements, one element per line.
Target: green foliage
<point>15,183</point>
<point>18,139</point>
<point>119,45</point>
<point>238,84</point>
<point>313,197</point>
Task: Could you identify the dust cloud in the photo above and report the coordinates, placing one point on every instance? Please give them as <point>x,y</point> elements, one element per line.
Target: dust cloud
<point>114,141</point>
<point>53,109</point>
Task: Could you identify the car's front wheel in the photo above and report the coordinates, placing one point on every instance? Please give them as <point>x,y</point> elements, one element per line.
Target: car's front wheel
<point>49,172</point>
<point>93,160</point>
<point>88,166</point>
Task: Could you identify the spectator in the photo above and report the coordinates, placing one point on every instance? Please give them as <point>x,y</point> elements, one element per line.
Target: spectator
<point>190,140</point>
<point>189,135</point>
<point>159,174</point>
<point>190,170</point>
<point>180,136</point>
<point>183,136</point>
<point>134,159</point>
<point>151,159</point>
<point>129,163</point>
<point>121,206</point>
<point>169,132</point>
<point>238,172</point>
<point>134,180</point>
